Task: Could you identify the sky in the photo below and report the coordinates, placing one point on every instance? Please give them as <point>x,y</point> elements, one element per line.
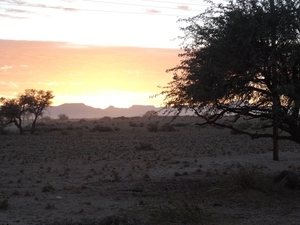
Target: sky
<point>100,53</point>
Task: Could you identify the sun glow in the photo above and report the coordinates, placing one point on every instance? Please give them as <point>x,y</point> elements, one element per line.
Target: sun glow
<point>116,98</point>
<point>96,76</point>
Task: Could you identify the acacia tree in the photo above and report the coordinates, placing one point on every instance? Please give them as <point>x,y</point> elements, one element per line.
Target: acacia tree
<point>32,103</point>
<point>242,59</point>
<point>37,102</point>
<point>13,111</point>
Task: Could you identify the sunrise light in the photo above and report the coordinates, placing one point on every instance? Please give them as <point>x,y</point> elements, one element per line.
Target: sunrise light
<point>93,52</point>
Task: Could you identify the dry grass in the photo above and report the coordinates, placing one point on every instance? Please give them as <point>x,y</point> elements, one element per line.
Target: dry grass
<point>130,172</point>
<point>179,210</point>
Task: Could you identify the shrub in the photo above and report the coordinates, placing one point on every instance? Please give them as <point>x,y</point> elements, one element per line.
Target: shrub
<point>100,128</point>
<point>152,127</point>
<point>132,124</point>
<point>180,124</point>
<point>116,128</point>
<point>82,121</point>
<point>106,118</point>
<point>46,119</point>
<point>63,117</point>
<point>243,179</point>
<point>4,204</point>
<point>179,211</point>
<point>107,220</point>
<point>144,146</point>
<point>167,127</point>
<point>150,113</point>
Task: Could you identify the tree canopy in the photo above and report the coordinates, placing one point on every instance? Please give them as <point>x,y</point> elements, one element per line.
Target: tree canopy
<point>242,59</point>
<point>30,104</point>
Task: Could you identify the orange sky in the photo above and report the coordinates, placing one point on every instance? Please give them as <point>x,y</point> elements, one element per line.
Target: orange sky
<point>96,76</point>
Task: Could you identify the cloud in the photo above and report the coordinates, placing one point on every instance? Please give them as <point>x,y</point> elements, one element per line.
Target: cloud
<point>12,17</point>
<point>153,11</point>
<point>6,67</point>
<point>51,84</point>
<point>75,83</point>
<point>183,7</point>
<point>16,11</point>
<point>23,3</point>
<point>54,84</point>
<point>9,84</point>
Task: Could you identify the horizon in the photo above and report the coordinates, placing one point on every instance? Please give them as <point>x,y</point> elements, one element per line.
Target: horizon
<point>110,106</point>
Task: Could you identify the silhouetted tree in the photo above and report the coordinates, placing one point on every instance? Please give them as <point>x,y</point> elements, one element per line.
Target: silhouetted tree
<point>32,103</point>
<point>242,59</point>
<point>13,111</point>
<point>37,102</point>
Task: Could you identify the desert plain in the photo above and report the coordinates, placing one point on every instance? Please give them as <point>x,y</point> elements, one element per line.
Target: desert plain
<point>140,170</point>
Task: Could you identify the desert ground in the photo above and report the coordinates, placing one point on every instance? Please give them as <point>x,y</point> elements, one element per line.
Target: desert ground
<point>137,171</point>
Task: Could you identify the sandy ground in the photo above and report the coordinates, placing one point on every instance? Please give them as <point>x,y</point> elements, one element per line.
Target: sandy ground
<point>65,172</point>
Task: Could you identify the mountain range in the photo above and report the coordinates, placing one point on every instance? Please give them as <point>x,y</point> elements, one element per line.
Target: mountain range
<point>80,110</point>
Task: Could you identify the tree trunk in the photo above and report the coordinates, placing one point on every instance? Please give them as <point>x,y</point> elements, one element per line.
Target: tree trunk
<point>19,125</point>
<point>275,100</point>
<point>32,129</point>
<point>275,142</point>
<point>20,128</point>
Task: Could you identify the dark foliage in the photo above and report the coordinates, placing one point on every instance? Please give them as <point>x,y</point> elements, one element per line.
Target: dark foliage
<point>241,59</point>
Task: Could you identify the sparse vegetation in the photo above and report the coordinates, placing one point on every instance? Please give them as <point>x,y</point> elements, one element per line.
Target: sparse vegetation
<point>150,114</point>
<point>105,118</point>
<point>28,106</point>
<point>108,220</point>
<point>100,128</point>
<point>63,117</point>
<point>152,127</point>
<point>132,124</point>
<point>134,170</point>
<point>4,204</point>
<point>167,127</point>
<point>144,146</point>
<point>179,211</point>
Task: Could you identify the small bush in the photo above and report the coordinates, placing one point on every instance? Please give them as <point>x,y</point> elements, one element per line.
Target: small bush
<point>100,128</point>
<point>46,119</point>
<point>3,204</point>
<point>117,128</point>
<point>132,124</point>
<point>150,114</point>
<point>105,118</point>
<point>63,117</point>
<point>167,127</point>
<point>179,211</point>
<point>144,146</point>
<point>82,121</point>
<point>180,124</point>
<point>152,127</point>
<point>48,188</point>
<point>108,220</point>
<point>55,129</point>
<point>243,179</point>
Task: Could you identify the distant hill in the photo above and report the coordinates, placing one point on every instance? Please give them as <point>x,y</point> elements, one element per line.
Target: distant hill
<point>80,110</point>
